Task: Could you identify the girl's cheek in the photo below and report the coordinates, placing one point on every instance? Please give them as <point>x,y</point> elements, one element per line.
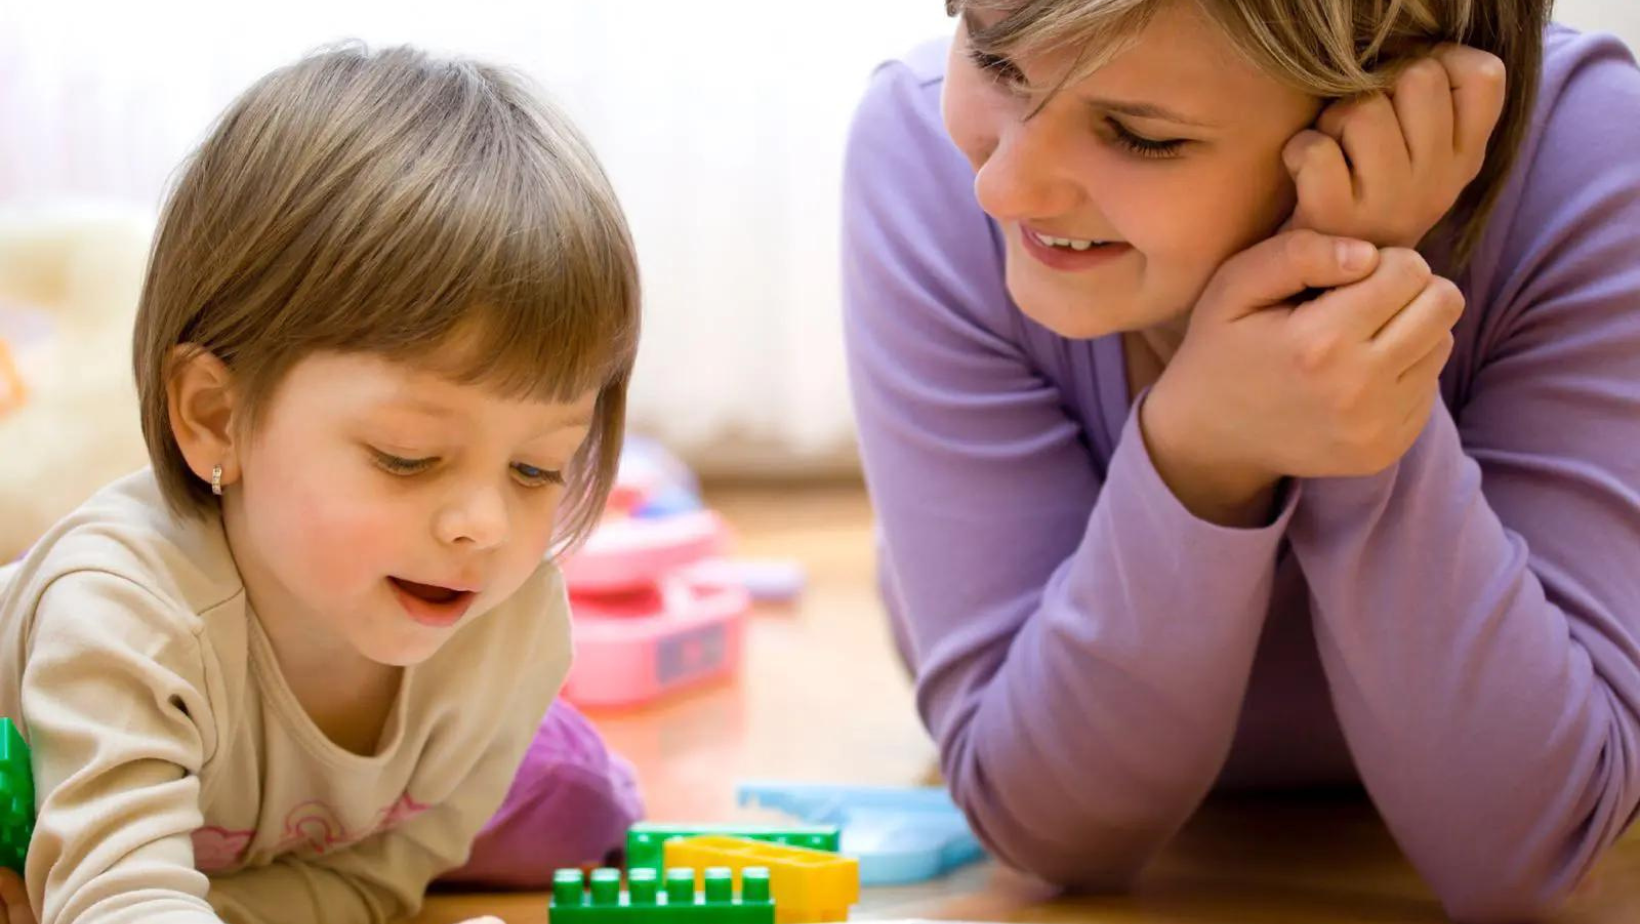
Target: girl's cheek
<point>341,536</point>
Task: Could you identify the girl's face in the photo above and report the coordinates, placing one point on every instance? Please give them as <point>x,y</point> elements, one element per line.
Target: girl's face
<point>1171,152</point>
<point>381,507</point>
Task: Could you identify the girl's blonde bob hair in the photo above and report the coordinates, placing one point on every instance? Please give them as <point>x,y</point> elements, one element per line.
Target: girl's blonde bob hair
<point>427,210</point>
<point>1327,48</point>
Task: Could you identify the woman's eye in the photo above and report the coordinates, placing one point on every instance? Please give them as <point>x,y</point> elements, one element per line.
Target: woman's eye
<point>1142,146</point>
<point>399,465</point>
<point>1000,68</point>
<point>537,477</point>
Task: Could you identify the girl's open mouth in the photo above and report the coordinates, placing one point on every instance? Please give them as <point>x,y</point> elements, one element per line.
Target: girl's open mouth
<point>431,604</point>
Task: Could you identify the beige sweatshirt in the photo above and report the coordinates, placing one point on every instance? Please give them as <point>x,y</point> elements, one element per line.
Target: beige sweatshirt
<point>178,779</point>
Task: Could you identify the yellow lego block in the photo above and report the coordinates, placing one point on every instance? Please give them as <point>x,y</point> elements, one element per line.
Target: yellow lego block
<point>809,886</point>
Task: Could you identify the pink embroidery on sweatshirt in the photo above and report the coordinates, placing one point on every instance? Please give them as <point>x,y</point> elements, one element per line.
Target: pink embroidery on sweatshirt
<point>217,849</point>
<point>312,824</point>
<point>315,825</point>
<point>399,812</point>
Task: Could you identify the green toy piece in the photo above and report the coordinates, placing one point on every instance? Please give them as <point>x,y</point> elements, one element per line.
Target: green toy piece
<point>16,797</point>
<point>645,902</point>
<point>646,841</point>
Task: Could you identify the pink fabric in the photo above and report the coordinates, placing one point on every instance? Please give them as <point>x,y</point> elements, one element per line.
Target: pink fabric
<point>571,803</point>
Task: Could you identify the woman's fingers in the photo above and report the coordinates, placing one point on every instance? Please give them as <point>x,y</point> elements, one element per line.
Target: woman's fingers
<point>1424,106</point>
<point>1479,81</point>
<point>1370,133</point>
<point>1405,341</point>
<point>1321,177</point>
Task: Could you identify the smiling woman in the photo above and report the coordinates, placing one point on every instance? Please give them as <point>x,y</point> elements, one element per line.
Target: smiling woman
<point>1180,334</point>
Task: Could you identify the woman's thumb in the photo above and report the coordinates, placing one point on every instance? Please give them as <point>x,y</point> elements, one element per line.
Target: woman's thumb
<point>1276,270</point>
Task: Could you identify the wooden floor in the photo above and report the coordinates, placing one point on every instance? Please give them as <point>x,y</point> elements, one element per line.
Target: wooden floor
<point>823,699</point>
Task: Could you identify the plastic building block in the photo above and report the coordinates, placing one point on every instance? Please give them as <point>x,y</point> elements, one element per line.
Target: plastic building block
<point>899,834</point>
<point>647,902</point>
<point>636,647</point>
<point>645,841</point>
<point>16,797</point>
<point>808,885</point>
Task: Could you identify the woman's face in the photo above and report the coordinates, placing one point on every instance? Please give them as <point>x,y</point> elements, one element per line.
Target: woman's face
<point>1171,153</point>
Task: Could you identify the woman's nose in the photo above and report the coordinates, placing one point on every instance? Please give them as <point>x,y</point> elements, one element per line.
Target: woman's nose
<point>1026,175</point>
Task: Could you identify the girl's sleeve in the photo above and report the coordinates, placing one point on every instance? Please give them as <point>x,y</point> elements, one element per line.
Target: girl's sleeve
<point>1478,605</point>
<point>1081,641</point>
<point>119,721</point>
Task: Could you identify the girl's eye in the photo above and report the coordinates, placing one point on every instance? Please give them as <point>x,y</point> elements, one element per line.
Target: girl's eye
<point>401,466</point>
<point>534,477</point>
<point>1142,146</point>
<point>998,67</point>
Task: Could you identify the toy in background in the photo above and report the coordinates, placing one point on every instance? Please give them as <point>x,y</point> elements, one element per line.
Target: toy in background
<point>657,607</point>
<point>809,886</point>
<point>646,841</point>
<point>899,834</point>
<point>12,391</point>
<point>70,275</point>
<point>645,902</point>
<point>16,798</point>
<point>26,345</point>
<point>864,835</point>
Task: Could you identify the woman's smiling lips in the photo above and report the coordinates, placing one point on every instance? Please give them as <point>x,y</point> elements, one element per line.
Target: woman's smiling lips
<point>1069,254</point>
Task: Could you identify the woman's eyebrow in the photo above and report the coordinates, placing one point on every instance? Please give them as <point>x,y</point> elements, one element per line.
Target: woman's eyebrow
<point>1142,110</point>
<point>1134,108</point>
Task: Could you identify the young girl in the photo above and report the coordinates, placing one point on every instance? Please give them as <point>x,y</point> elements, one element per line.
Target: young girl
<point>1179,491</point>
<point>288,673</point>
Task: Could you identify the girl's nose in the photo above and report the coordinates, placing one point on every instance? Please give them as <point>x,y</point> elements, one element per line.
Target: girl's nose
<point>476,519</point>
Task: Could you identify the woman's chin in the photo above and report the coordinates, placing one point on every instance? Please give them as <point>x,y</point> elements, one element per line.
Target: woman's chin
<point>1071,318</point>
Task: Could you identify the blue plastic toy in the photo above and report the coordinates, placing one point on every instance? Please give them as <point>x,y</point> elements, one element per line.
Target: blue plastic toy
<point>899,834</point>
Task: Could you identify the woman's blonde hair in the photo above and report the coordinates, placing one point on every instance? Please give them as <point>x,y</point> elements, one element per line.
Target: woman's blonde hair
<point>392,203</point>
<point>1327,48</point>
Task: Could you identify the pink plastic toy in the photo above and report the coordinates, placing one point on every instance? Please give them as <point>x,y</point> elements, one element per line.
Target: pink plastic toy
<point>635,647</point>
<point>627,554</point>
<point>645,623</point>
<point>657,608</point>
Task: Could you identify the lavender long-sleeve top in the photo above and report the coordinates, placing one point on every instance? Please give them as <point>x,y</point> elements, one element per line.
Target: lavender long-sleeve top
<point>1461,633</point>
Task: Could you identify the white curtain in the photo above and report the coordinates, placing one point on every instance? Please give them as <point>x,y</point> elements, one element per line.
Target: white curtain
<point>1621,17</point>
<point>721,122</point>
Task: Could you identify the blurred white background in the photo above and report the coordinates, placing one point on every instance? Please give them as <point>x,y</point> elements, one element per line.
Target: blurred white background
<point>721,121</point>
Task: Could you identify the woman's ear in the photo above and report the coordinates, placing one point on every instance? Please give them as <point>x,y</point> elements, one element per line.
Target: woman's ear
<point>201,399</point>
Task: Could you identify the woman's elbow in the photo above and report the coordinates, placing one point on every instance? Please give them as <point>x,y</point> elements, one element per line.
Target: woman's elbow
<point>1480,893</point>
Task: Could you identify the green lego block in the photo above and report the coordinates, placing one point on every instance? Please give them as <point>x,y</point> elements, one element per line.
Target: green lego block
<point>16,797</point>
<point>646,841</point>
<point>647,902</point>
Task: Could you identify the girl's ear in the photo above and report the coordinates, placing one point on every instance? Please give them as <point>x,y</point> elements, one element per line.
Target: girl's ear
<point>201,400</point>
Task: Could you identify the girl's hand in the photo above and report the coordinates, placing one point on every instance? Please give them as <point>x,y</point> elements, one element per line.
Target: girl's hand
<point>1262,388</point>
<point>14,906</point>
<point>1387,167</point>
